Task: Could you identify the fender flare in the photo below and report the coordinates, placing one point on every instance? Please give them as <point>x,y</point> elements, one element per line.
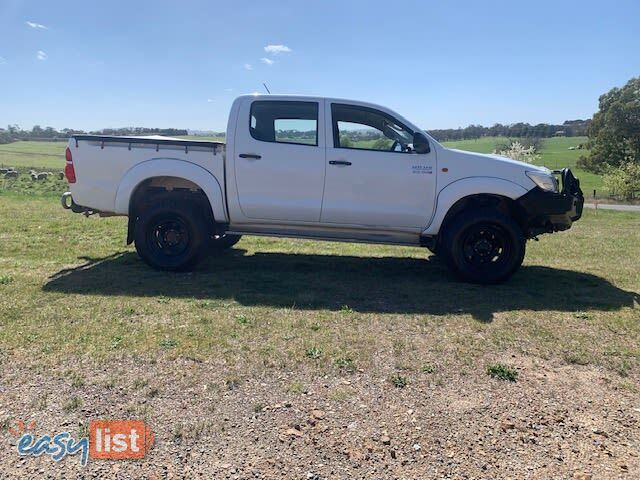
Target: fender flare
<point>466,187</point>
<point>171,167</point>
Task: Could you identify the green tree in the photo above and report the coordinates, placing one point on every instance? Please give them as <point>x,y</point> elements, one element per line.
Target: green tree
<point>345,141</point>
<point>624,180</point>
<point>614,133</point>
<point>382,143</point>
<point>5,136</point>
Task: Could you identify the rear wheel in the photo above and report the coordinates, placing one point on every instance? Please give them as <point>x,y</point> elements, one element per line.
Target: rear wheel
<point>171,235</point>
<point>484,246</point>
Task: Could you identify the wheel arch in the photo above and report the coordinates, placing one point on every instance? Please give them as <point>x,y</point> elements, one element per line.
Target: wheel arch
<point>168,175</point>
<point>471,192</point>
<point>178,170</point>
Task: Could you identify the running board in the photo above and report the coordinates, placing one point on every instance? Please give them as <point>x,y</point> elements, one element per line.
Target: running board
<point>403,239</point>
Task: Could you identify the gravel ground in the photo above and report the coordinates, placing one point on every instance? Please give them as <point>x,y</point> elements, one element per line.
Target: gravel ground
<point>556,421</point>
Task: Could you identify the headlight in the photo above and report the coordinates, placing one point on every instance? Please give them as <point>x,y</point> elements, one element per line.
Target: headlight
<point>546,182</point>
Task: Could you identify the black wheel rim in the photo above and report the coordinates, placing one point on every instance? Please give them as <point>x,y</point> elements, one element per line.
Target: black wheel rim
<point>169,237</point>
<point>486,245</point>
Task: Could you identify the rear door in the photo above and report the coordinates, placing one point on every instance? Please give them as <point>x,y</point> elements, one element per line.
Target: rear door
<point>280,159</point>
<point>374,178</point>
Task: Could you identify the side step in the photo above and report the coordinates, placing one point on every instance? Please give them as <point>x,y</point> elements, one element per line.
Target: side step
<point>403,239</point>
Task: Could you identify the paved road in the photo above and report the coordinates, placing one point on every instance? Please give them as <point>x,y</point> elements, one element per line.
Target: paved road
<point>607,206</point>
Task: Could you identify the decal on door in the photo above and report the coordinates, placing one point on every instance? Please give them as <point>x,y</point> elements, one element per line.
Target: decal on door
<point>422,169</point>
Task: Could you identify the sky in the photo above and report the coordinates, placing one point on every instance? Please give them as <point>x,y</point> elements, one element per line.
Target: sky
<point>441,64</point>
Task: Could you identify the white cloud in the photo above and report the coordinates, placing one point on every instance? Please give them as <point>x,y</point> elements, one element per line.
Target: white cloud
<point>209,100</point>
<point>228,89</point>
<point>248,66</point>
<point>36,25</point>
<point>2,61</point>
<point>277,49</point>
<point>41,55</point>
<point>268,61</point>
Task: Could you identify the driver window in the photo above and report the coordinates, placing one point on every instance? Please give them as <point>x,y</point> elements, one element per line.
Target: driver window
<point>365,128</point>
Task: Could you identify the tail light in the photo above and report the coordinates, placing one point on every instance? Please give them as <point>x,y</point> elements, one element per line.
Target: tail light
<point>69,171</point>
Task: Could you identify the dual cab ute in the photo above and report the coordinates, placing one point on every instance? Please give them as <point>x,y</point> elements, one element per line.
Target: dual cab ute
<point>324,169</point>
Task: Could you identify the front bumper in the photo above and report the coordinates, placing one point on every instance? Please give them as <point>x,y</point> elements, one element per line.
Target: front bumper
<point>546,212</point>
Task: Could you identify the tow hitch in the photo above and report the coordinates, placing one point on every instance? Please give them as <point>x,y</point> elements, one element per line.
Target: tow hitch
<point>68,204</point>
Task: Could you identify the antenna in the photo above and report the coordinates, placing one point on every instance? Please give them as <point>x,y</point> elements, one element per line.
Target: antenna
<point>266,88</point>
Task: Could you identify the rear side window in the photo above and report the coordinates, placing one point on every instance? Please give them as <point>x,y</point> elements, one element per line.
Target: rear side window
<point>284,122</point>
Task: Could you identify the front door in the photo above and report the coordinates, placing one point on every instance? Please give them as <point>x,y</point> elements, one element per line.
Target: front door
<point>373,177</point>
<point>280,160</point>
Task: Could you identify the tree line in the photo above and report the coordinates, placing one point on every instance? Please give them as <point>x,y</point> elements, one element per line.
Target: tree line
<point>13,132</point>
<point>570,128</point>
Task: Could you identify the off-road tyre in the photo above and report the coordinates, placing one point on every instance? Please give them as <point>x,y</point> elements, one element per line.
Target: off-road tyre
<point>171,234</point>
<point>483,246</point>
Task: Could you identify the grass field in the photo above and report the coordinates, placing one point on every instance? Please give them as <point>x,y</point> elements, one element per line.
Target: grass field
<point>39,155</point>
<point>555,151</point>
<point>72,288</point>
<point>43,155</point>
<point>555,154</point>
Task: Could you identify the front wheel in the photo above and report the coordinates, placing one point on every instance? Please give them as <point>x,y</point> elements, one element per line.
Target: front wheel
<point>484,246</point>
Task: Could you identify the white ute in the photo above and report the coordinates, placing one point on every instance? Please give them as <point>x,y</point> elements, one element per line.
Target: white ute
<point>324,169</point>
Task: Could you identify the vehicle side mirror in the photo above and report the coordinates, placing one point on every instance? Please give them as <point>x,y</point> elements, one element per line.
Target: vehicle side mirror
<point>420,143</point>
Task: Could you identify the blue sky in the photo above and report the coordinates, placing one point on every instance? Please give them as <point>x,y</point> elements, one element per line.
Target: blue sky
<point>441,64</point>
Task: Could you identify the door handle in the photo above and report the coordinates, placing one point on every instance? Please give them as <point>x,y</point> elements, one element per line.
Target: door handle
<point>339,162</point>
<point>250,155</point>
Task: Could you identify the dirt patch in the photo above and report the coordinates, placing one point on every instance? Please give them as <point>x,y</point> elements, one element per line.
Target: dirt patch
<point>555,422</point>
